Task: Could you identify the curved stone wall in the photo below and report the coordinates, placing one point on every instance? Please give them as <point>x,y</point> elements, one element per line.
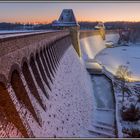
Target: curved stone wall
<point>45,90</point>
<point>22,63</point>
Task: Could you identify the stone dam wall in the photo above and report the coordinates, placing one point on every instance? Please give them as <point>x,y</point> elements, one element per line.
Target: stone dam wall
<point>45,90</point>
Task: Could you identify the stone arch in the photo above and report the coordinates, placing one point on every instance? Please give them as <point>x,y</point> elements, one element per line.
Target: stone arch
<point>48,61</point>
<point>8,112</point>
<point>42,71</point>
<point>55,42</point>
<point>24,59</point>
<point>44,49</point>
<point>37,76</point>
<point>48,43</point>
<point>57,51</point>
<point>13,67</point>
<point>45,46</point>
<point>31,84</point>
<point>53,54</point>
<point>45,65</point>
<point>37,53</point>
<point>50,57</point>
<point>21,93</point>
<point>41,49</point>
<point>3,79</point>
<point>32,56</point>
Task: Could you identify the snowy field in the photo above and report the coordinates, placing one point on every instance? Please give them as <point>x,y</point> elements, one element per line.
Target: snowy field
<point>94,48</point>
<point>129,56</point>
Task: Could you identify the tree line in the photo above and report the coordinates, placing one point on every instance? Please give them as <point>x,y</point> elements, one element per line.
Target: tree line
<point>83,25</point>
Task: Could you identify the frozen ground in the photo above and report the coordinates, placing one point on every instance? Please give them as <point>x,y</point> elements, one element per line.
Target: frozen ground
<point>103,96</point>
<point>120,123</point>
<point>103,92</point>
<point>103,117</point>
<point>111,58</point>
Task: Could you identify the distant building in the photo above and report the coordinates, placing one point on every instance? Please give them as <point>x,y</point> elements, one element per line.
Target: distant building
<point>124,36</point>
<point>99,26</point>
<point>66,20</point>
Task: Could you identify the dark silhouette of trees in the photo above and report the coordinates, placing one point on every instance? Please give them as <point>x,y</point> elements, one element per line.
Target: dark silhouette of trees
<point>132,132</point>
<point>10,26</point>
<point>83,25</point>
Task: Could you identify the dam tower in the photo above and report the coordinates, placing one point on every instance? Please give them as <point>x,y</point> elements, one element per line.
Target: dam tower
<point>67,21</point>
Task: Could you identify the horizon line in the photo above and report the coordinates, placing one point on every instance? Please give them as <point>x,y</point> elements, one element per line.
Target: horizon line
<point>47,22</point>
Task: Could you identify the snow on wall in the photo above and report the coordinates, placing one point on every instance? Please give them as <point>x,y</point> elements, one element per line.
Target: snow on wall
<point>69,107</point>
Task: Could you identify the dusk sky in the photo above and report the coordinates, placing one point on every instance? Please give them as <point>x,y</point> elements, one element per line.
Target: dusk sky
<point>46,12</point>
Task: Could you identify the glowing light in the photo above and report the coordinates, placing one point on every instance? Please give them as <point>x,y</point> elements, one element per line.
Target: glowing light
<point>87,48</point>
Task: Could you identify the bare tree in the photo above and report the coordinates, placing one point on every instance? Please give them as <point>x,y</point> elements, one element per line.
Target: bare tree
<point>122,77</point>
<point>138,100</point>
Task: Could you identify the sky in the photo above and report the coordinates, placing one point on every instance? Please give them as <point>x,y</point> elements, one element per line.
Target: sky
<point>47,12</point>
